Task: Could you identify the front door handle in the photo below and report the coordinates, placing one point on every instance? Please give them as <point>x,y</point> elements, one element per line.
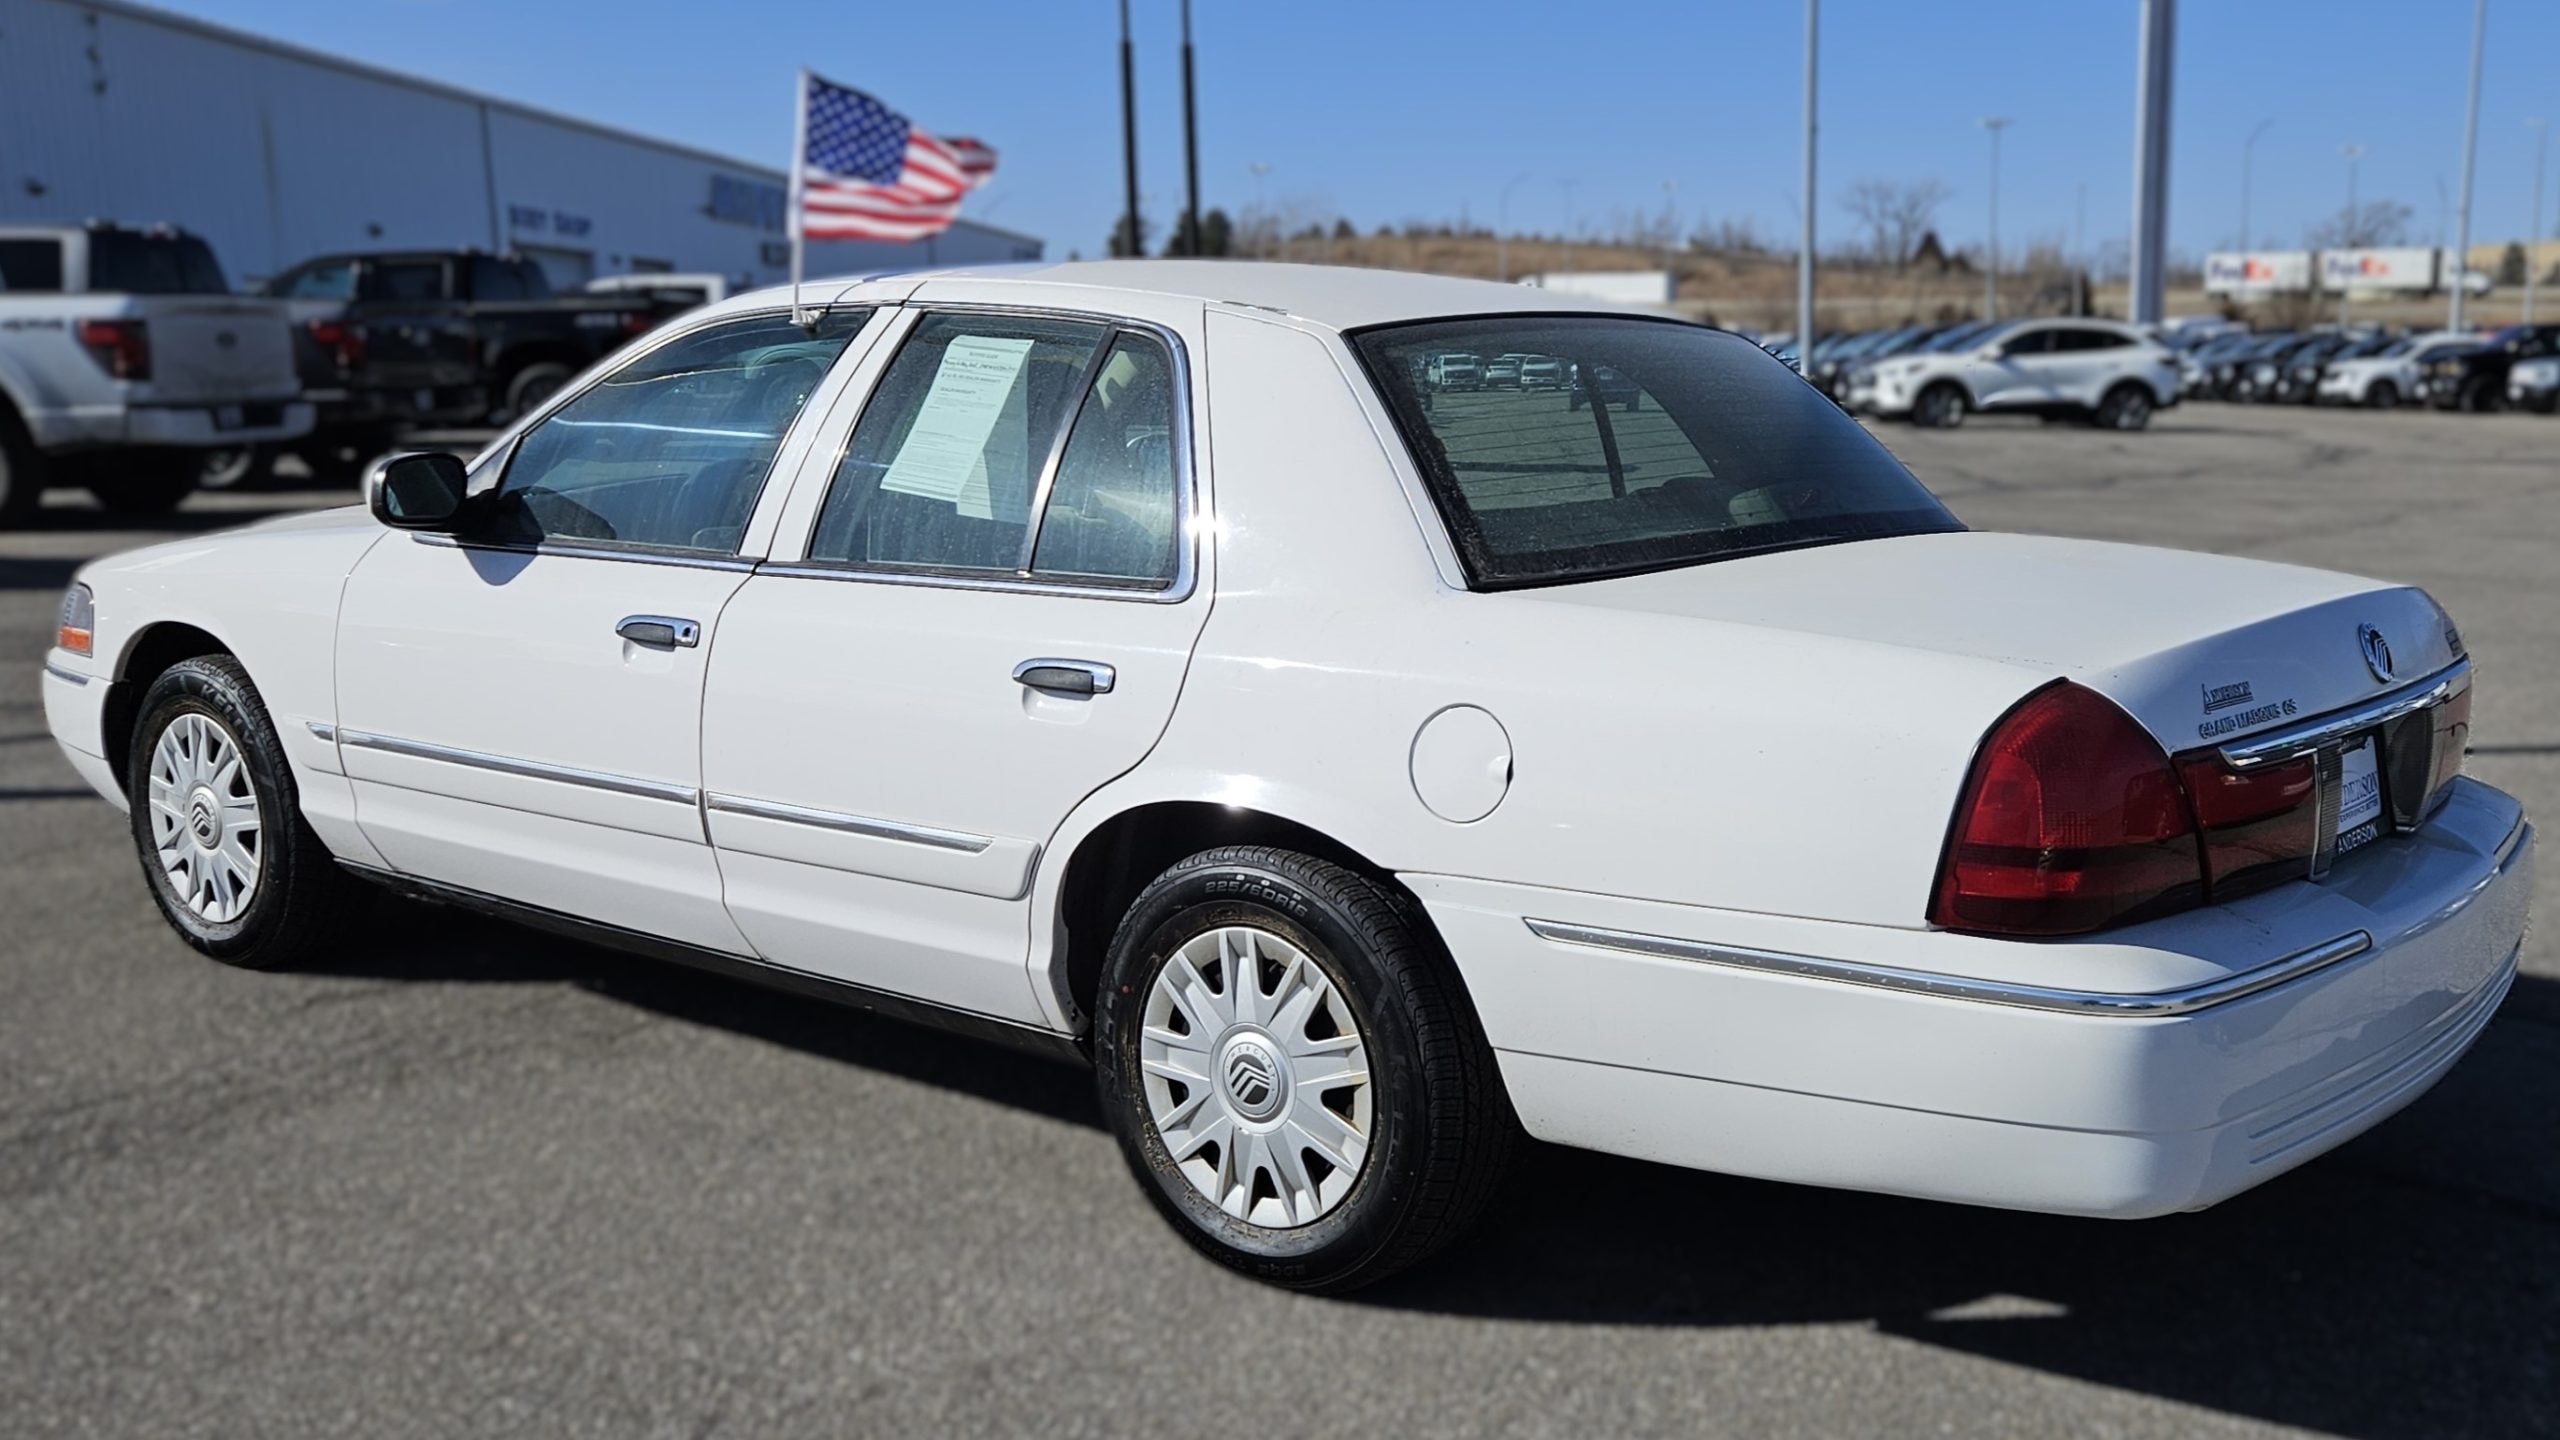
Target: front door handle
<point>1067,677</point>
<point>659,632</point>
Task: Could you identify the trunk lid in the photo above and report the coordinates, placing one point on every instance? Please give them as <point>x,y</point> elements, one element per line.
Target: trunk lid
<point>2200,649</point>
<point>216,349</point>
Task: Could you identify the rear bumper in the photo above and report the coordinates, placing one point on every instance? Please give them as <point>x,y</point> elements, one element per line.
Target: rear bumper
<point>2185,1070</point>
<point>190,426</point>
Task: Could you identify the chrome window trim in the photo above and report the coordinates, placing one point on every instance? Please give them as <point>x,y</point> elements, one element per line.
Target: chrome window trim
<point>958,840</point>
<point>525,769</point>
<point>1186,488</point>
<point>61,673</point>
<point>2302,739</point>
<point>590,552</point>
<point>2136,1005</point>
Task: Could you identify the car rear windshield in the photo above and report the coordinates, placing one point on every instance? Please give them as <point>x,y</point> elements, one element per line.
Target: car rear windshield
<point>129,262</point>
<point>1670,444</point>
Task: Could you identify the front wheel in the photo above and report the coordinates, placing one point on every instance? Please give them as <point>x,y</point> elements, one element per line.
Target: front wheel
<point>1941,407</point>
<point>2126,407</point>
<point>218,823</point>
<point>1293,1072</point>
<point>2382,395</point>
<point>22,472</point>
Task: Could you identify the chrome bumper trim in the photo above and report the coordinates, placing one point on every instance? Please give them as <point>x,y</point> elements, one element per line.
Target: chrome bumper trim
<point>2312,734</point>
<point>1950,987</point>
<point>528,769</point>
<point>72,676</point>
<point>849,824</point>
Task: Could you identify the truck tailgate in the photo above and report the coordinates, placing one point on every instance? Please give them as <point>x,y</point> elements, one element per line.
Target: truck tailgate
<point>216,349</point>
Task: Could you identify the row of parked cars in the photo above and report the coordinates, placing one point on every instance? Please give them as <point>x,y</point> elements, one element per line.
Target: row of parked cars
<point>2096,371</point>
<point>129,367</point>
<point>2471,371</point>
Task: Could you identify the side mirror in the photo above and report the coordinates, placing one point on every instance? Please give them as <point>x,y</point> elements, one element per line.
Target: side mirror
<point>422,490</point>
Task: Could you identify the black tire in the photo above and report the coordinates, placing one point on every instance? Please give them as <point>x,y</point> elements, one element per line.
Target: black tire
<point>23,472</point>
<point>301,898</point>
<point>2481,395</point>
<point>1441,1128</point>
<point>2126,407</point>
<point>235,467</point>
<point>1941,407</point>
<point>535,383</point>
<point>143,482</point>
<point>2382,395</point>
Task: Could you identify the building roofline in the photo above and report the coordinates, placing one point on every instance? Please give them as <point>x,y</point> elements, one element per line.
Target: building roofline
<point>224,34</point>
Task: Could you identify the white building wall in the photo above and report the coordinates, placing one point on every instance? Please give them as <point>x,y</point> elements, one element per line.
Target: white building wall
<point>111,111</point>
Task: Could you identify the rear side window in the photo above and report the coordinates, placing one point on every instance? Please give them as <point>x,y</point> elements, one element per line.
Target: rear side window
<point>1023,447</point>
<point>129,262</point>
<point>30,265</point>
<point>670,451</point>
<point>1669,444</point>
<point>403,281</point>
<point>493,279</point>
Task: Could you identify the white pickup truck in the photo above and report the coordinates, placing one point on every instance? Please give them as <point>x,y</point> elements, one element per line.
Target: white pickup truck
<point>124,358</point>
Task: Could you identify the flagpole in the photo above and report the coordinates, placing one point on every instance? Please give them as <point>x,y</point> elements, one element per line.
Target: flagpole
<point>799,157</point>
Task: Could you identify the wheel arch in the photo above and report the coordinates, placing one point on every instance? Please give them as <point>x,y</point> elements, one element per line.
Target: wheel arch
<point>1108,864</point>
<point>146,656</point>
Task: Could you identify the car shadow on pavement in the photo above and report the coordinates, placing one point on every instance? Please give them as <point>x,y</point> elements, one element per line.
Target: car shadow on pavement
<point>2407,1284</point>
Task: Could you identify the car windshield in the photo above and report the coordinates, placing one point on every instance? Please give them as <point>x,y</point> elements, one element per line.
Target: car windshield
<point>129,262</point>
<point>1699,447</point>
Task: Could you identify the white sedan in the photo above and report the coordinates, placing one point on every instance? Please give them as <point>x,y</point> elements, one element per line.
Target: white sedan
<point>1143,662</point>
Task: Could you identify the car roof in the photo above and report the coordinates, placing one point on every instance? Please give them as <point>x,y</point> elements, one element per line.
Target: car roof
<point>1336,296</point>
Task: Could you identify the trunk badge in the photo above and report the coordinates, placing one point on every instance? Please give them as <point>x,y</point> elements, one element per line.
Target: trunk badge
<point>2377,653</point>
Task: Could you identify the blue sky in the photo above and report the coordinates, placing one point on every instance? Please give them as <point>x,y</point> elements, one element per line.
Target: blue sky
<point>1385,111</point>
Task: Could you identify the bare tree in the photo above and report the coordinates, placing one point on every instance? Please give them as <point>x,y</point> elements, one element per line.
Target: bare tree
<point>1895,214</point>
<point>2376,222</point>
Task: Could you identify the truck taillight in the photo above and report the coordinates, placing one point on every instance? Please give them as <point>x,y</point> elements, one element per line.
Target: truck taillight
<point>122,348</point>
<point>341,342</point>
<point>2071,820</point>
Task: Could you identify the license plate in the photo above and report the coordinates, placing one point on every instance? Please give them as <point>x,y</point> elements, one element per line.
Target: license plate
<point>227,417</point>
<point>2359,795</point>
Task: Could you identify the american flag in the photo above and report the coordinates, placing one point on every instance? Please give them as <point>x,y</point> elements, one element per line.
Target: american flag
<point>867,174</point>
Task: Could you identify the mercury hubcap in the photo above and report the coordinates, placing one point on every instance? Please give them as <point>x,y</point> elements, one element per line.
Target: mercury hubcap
<point>204,818</point>
<point>1256,1077</point>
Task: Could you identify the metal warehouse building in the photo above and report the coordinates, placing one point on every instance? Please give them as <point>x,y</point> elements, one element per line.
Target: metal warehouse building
<point>275,154</point>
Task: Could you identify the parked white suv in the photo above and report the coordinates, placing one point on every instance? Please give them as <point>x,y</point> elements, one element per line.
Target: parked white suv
<point>2097,370</point>
<point>2390,378</point>
<point>124,358</point>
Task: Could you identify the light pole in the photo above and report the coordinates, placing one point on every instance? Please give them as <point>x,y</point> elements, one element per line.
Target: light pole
<point>1190,147</point>
<point>2245,147</point>
<point>1572,250</point>
<point>1502,228</point>
<point>1804,248</point>
<point>2470,147</point>
<point>1261,217</point>
<point>2148,253</point>
<point>1991,253</point>
<point>1129,134</point>
<point>2351,230</point>
<point>2533,224</point>
<point>1670,232</point>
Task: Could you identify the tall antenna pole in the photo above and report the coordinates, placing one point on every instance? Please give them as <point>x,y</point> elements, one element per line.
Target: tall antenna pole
<point>1129,133</point>
<point>2470,147</point>
<point>1190,143</point>
<point>1804,245</point>
<point>2151,160</point>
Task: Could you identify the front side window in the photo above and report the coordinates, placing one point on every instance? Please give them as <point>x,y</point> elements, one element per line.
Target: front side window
<point>2032,342</point>
<point>669,452</point>
<point>943,472</point>
<point>321,280</point>
<point>1674,444</point>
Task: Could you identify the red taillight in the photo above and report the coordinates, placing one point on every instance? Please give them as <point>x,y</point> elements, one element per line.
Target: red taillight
<point>2260,825</point>
<point>342,342</point>
<point>2071,820</point>
<point>122,348</point>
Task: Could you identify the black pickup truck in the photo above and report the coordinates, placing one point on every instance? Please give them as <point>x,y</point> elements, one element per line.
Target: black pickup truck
<point>421,338</point>
<point>2477,379</point>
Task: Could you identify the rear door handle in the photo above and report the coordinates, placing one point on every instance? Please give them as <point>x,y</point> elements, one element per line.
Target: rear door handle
<point>1067,677</point>
<point>659,632</point>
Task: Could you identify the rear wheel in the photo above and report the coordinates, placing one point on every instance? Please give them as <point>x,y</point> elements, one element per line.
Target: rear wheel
<point>534,384</point>
<point>22,472</point>
<point>2481,395</point>
<point>218,823</point>
<point>234,467</point>
<point>1941,407</point>
<point>1292,1072</point>
<point>2126,407</point>
<point>2382,395</point>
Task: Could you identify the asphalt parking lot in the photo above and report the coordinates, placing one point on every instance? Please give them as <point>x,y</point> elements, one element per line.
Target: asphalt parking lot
<point>466,1179</point>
